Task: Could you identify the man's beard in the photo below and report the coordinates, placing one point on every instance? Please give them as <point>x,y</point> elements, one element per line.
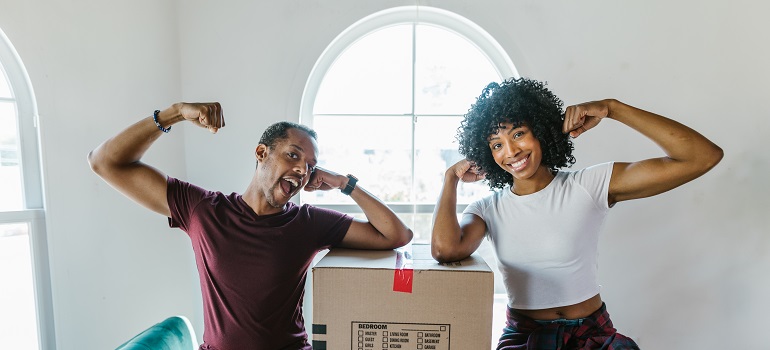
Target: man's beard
<point>271,198</point>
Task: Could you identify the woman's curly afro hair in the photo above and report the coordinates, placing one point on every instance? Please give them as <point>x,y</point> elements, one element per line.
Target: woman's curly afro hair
<point>519,101</point>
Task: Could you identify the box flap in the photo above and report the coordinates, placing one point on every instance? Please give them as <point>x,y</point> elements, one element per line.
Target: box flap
<point>413,256</point>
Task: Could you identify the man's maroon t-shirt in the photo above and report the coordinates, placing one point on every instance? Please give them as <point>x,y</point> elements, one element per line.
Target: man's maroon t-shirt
<point>252,268</point>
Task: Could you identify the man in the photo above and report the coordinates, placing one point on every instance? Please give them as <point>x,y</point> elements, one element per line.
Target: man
<point>253,249</point>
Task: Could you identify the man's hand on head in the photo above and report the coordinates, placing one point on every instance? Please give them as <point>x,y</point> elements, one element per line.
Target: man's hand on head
<point>325,180</point>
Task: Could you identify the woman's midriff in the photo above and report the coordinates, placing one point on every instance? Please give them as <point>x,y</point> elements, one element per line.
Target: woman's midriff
<point>570,312</point>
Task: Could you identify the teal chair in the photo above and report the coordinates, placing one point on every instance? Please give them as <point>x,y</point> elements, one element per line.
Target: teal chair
<point>173,333</point>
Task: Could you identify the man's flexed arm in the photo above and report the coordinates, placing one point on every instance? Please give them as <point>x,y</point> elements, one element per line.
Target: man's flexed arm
<point>382,230</point>
<point>117,160</point>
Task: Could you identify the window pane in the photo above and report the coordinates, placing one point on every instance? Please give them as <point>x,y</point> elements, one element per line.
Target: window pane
<point>421,225</point>
<point>450,72</point>
<point>373,76</point>
<point>436,150</point>
<point>377,150</point>
<point>10,172</point>
<point>18,324</point>
<point>5,89</point>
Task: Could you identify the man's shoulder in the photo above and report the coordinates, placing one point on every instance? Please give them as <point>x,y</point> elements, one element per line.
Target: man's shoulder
<point>179,184</point>
<point>193,193</point>
<point>312,209</point>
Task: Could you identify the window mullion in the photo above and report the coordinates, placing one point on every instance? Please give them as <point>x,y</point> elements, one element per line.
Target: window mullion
<point>413,192</point>
<point>42,283</point>
<point>360,115</point>
<point>9,217</point>
<point>410,208</point>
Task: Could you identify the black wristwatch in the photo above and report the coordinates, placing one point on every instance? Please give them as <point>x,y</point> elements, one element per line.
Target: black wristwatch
<point>351,185</point>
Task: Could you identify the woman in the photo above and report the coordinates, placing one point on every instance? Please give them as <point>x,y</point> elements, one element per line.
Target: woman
<point>544,223</point>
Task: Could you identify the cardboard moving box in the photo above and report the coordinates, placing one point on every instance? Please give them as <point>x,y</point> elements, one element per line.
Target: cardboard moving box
<point>401,299</point>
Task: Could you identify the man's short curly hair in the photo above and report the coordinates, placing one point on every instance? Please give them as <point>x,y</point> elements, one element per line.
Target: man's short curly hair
<point>519,101</point>
<point>280,131</point>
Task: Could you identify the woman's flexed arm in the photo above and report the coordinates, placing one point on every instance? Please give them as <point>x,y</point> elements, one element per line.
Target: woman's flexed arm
<point>452,240</point>
<point>688,154</point>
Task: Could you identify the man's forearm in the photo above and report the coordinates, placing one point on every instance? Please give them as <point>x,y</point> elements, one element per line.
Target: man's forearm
<point>382,217</point>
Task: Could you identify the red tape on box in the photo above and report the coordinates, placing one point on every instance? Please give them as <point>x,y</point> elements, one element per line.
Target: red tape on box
<point>403,275</point>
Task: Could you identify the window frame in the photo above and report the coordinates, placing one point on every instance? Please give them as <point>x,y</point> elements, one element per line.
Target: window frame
<point>414,15</point>
<point>33,213</point>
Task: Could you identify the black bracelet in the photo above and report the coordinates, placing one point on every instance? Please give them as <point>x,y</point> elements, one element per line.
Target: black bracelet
<point>155,119</point>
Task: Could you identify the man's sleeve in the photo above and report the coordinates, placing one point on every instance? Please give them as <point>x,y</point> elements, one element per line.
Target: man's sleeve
<point>182,198</point>
<point>331,226</point>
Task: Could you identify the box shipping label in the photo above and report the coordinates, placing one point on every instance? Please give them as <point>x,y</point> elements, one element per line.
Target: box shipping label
<point>405,336</point>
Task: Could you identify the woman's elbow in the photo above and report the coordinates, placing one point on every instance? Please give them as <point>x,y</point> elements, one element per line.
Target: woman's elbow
<point>712,157</point>
<point>717,156</point>
<point>444,255</point>
<point>93,162</point>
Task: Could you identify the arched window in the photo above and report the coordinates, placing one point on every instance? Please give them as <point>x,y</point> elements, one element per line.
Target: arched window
<point>387,97</point>
<point>25,297</point>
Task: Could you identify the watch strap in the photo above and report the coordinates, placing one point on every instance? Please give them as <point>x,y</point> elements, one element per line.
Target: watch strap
<point>350,186</point>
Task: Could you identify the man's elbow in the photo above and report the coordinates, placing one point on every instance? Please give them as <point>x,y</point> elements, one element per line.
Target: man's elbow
<point>404,237</point>
<point>99,164</point>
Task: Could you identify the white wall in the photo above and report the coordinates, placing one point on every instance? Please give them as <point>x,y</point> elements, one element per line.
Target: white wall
<point>681,270</point>
<point>96,67</point>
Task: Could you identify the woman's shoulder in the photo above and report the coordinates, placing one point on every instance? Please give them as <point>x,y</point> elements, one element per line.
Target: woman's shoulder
<point>489,199</point>
<point>599,170</point>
